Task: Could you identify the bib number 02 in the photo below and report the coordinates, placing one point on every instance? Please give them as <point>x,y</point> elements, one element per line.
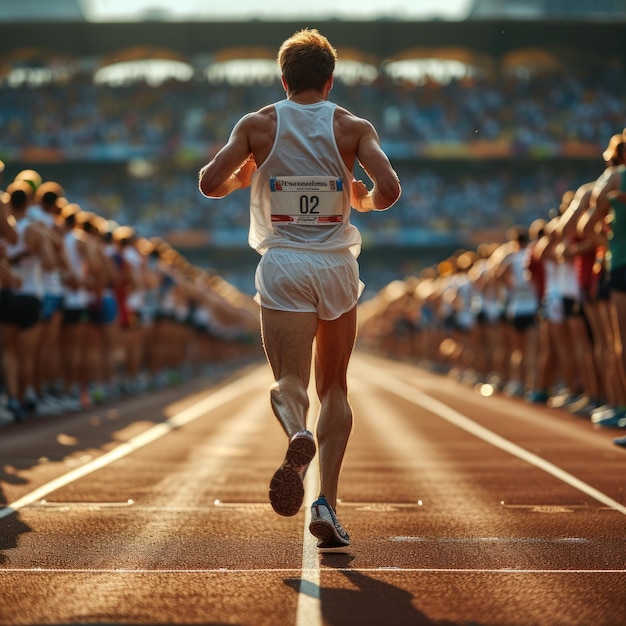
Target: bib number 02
<point>315,200</point>
<point>309,205</point>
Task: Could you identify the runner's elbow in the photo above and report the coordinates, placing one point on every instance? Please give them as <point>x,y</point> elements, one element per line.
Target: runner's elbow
<point>387,194</point>
<point>206,187</point>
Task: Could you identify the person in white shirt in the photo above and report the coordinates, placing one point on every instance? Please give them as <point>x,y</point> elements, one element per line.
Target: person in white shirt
<point>298,156</point>
<point>29,257</point>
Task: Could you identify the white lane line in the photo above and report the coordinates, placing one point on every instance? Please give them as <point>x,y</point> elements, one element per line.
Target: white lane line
<point>406,391</point>
<point>223,396</point>
<point>309,608</point>
<point>295,572</point>
<point>479,540</point>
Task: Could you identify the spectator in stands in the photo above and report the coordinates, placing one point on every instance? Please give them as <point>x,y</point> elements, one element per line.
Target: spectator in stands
<point>564,281</point>
<point>48,200</point>
<point>29,256</point>
<point>85,273</point>
<point>460,294</point>
<point>556,373</point>
<point>8,235</point>
<point>486,309</point>
<point>588,341</point>
<point>100,315</point>
<point>521,312</point>
<point>132,328</point>
<point>607,205</point>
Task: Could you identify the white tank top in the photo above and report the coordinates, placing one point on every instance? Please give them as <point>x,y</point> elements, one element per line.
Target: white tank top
<point>27,265</point>
<point>567,279</point>
<point>74,298</point>
<point>300,196</point>
<point>522,296</point>
<point>52,282</point>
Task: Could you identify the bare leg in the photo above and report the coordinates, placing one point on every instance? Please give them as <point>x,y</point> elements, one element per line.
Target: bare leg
<point>618,317</point>
<point>288,343</point>
<point>288,340</point>
<point>334,343</point>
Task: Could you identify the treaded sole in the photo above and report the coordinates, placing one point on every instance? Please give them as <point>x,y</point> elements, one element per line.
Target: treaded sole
<point>286,492</point>
<point>324,532</point>
<point>286,488</point>
<point>300,452</point>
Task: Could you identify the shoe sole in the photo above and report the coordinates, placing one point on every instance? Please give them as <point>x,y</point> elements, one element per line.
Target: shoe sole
<point>324,532</point>
<point>335,550</point>
<point>286,488</point>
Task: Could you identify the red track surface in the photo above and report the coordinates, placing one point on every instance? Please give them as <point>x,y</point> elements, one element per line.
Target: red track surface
<point>462,510</point>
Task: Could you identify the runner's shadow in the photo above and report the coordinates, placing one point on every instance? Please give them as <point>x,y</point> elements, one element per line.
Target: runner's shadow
<point>367,601</point>
<point>11,527</point>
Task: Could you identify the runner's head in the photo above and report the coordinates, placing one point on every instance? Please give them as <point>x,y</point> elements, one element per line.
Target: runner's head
<point>307,61</point>
<point>32,177</point>
<point>19,193</point>
<point>48,194</point>
<point>614,153</point>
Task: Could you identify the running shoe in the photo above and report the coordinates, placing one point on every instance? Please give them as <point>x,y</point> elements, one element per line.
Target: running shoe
<point>16,409</point>
<point>536,396</point>
<point>610,417</point>
<point>561,399</point>
<point>286,487</point>
<point>47,406</point>
<point>331,535</point>
<point>620,441</point>
<point>585,410</point>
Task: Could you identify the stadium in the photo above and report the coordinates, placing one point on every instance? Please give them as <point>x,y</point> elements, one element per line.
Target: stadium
<point>177,449</point>
<point>488,120</point>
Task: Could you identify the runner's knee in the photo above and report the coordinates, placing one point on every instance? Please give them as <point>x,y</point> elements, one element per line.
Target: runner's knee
<point>287,390</point>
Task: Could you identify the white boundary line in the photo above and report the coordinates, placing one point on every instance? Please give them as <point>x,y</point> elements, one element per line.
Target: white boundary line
<point>406,391</point>
<point>309,607</point>
<point>191,413</point>
<point>296,571</point>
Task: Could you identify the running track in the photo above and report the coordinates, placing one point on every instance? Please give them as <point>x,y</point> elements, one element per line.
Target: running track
<point>462,510</point>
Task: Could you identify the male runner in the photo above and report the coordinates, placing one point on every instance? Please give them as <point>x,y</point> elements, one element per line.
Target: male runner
<point>298,155</point>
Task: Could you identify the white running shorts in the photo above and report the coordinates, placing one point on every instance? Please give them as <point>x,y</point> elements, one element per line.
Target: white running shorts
<point>326,283</point>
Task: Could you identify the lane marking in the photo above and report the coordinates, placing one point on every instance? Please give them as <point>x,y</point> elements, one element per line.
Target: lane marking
<point>298,571</point>
<point>222,396</point>
<point>473,540</point>
<point>309,606</point>
<point>419,398</point>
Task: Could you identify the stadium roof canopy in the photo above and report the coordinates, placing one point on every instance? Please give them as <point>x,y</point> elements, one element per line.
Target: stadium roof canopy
<point>480,45</point>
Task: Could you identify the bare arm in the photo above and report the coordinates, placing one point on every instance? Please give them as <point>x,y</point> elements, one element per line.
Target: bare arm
<point>40,244</point>
<point>232,167</point>
<point>599,203</point>
<point>386,189</point>
<point>580,204</point>
<point>7,227</point>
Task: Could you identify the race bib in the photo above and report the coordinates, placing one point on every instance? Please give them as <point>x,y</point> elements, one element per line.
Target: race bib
<point>314,200</point>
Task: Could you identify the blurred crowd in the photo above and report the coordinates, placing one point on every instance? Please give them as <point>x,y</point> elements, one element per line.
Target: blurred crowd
<point>167,130</point>
<point>95,304</point>
<point>90,311</point>
<point>572,104</point>
<point>447,199</point>
<point>541,317</point>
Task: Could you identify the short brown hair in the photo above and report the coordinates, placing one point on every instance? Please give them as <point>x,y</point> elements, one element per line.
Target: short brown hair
<point>306,60</point>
